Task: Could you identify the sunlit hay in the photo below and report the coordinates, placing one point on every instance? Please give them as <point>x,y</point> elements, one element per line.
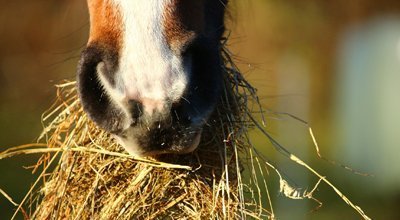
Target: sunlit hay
<point>87,175</point>
<point>84,174</point>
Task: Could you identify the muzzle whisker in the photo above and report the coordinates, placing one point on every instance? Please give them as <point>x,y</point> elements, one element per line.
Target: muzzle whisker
<point>177,116</point>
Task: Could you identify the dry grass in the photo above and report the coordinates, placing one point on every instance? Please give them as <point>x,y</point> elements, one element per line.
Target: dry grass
<point>86,175</point>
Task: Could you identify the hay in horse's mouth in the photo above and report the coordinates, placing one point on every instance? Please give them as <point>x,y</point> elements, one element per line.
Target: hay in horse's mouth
<point>87,175</point>
<point>95,178</point>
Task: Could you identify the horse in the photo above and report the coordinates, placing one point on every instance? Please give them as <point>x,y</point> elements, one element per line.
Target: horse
<point>150,74</point>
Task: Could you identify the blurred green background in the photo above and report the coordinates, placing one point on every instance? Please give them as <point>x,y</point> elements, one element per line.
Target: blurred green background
<point>333,63</point>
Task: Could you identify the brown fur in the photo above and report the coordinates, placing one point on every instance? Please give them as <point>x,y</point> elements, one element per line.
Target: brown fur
<point>105,24</point>
<point>183,19</point>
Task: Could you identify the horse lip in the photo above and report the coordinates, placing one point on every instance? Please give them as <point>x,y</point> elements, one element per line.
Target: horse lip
<point>185,150</point>
<point>188,144</point>
<point>195,143</point>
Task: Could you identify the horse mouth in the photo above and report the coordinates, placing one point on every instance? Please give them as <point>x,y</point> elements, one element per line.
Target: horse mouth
<point>157,141</point>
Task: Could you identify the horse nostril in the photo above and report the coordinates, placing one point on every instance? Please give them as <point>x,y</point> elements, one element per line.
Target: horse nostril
<point>136,109</point>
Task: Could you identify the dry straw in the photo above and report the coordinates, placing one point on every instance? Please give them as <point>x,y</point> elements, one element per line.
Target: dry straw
<point>84,174</point>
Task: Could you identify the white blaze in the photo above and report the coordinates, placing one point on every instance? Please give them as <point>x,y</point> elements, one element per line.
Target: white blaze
<point>149,71</point>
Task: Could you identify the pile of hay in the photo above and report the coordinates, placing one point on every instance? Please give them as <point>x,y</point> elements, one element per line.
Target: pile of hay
<point>87,175</point>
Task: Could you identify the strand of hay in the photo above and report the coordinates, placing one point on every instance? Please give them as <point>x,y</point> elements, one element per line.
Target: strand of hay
<point>85,174</point>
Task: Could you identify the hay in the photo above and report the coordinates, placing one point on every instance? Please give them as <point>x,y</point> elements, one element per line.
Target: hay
<point>85,174</point>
